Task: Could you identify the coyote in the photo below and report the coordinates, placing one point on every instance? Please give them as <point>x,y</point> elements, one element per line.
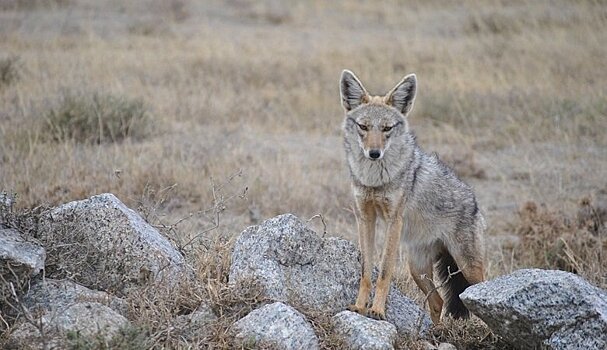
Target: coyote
<point>414,193</point>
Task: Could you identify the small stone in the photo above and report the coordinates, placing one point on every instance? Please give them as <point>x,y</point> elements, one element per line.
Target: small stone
<point>359,332</point>
<point>276,326</point>
<point>446,346</point>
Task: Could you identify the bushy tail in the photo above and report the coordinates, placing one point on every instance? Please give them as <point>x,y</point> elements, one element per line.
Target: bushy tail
<point>453,285</point>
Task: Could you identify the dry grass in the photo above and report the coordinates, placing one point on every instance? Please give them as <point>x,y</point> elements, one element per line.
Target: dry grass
<point>512,94</point>
<point>556,240</point>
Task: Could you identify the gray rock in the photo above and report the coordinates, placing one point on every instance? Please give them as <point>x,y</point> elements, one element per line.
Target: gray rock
<point>536,308</point>
<point>426,345</point>
<point>88,321</point>
<point>20,259</point>
<point>57,310</point>
<point>101,243</point>
<point>274,326</point>
<point>6,206</point>
<point>409,319</point>
<point>446,346</point>
<point>359,332</point>
<point>49,296</point>
<point>292,264</point>
<point>441,346</point>
<point>196,325</point>
<point>20,254</point>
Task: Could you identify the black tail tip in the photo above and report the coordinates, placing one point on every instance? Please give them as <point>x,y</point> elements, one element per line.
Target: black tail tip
<point>456,308</point>
<point>454,283</point>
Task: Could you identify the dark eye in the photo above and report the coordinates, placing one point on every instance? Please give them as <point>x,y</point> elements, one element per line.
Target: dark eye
<point>362,127</point>
<point>387,128</point>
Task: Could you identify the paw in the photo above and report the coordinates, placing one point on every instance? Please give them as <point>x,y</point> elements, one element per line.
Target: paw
<point>359,310</point>
<point>376,315</point>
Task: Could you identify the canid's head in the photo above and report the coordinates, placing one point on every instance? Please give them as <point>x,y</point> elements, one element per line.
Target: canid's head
<point>375,121</point>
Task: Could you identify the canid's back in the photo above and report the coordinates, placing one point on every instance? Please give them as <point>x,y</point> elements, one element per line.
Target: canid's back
<point>438,192</point>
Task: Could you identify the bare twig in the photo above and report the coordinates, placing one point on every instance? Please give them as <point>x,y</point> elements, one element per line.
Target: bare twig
<point>324,224</point>
<point>219,205</point>
<point>20,306</point>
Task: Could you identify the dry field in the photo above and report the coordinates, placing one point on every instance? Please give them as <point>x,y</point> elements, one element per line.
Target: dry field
<point>210,116</point>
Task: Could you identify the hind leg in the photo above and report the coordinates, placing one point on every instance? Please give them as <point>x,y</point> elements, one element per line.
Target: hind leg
<point>473,271</point>
<point>470,263</point>
<point>422,275</point>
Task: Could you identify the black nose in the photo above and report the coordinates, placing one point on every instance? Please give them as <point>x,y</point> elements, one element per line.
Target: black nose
<point>374,153</point>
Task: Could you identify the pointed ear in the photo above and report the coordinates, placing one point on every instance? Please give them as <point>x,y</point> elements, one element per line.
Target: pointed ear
<point>403,94</point>
<point>353,93</point>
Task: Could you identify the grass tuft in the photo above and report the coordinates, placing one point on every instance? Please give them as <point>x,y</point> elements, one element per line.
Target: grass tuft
<point>10,70</point>
<point>96,118</point>
<point>29,5</point>
<point>556,240</point>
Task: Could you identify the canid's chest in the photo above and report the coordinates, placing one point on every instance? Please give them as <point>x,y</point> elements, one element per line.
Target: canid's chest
<point>386,204</point>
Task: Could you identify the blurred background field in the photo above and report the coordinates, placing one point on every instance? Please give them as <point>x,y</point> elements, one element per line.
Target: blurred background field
<point>209,116</point>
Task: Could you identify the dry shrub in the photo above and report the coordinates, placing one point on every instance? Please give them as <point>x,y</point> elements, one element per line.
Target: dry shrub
<point>10,70</point>
<point>212,264</point>
<point>519,19</point>
<point>464,334</point>
<point>12,281</point>
<point>465,165</point>
<point>323,328</point>
<point>96,118</point>
<point>128,338</point>
<point>28,5</point>
<point>153,310</point>
<point>592,213</point>
<point>269,11</point>
<point>554,240</point>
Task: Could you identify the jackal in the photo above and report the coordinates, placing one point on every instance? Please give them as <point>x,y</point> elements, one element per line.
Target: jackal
<point>416,195</point>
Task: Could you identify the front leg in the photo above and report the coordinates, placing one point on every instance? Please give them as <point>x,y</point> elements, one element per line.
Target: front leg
<point>366,218</point>
<point>378,310</point>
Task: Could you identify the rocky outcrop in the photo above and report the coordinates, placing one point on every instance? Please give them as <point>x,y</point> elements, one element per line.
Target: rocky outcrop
<point>359,332</point>
<point>101,243</point>
<point>292,264</point>
<point>55,310</point>
<point>542,309</point>
<point>274,326</point>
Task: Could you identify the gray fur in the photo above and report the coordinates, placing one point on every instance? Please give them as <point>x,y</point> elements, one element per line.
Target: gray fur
<point>440,210</point>
<point>352,90</point>
<point>439,206</point>
<point>403,94</point>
